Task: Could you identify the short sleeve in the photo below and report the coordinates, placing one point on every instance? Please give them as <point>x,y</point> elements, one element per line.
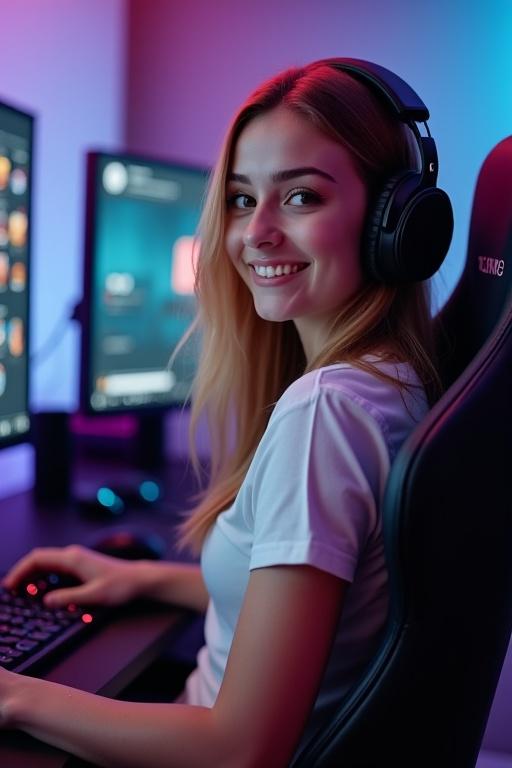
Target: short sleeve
<point>316,483</point>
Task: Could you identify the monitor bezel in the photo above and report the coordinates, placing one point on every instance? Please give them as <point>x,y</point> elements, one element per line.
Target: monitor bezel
<point>25,437</point>
<point>84,309</point>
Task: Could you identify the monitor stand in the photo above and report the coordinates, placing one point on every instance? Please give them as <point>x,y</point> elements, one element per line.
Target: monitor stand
<point>150,444</point>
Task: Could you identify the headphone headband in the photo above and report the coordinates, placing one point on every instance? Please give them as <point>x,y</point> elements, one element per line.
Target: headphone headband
<point>405,101</point>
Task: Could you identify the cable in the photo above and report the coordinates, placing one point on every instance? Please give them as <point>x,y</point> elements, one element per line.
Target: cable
<point>55,337</point>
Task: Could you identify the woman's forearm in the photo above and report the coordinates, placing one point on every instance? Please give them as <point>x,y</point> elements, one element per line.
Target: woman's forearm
<point>116,733</point>
<point>175,583</point>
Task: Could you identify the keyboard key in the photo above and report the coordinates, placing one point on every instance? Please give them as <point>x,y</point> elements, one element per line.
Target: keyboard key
<point>12,653</point>
<point>26,645</point>
<point>52,628</point>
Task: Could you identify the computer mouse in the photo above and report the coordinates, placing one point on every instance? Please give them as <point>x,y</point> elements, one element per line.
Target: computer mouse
<point>131,545</point>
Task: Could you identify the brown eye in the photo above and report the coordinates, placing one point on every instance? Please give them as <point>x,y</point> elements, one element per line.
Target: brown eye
<point>240,201</point>
<point>300,197</point>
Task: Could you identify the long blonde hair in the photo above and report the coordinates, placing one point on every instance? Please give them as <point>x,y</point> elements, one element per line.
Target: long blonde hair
<point>247,362</point>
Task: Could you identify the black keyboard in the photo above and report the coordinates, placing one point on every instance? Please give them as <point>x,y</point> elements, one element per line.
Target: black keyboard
<point>31,633</point>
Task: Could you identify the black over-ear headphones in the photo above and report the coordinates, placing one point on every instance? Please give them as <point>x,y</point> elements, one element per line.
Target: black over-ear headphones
<point>410,228</point>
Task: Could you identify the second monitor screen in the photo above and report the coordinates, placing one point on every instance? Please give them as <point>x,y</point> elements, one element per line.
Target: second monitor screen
<point>140,245</point>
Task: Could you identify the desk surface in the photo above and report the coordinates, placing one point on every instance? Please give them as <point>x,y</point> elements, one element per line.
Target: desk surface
<point>117,652</point>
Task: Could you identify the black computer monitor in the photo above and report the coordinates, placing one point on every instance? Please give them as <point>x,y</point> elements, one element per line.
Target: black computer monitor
<point>16,159</point>
<point>141,220</point>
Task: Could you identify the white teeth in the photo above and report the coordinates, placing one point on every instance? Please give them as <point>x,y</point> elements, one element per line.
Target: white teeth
<point>280,269</point>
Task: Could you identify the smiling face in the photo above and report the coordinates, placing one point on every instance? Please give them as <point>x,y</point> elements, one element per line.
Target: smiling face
<point>296,207</point>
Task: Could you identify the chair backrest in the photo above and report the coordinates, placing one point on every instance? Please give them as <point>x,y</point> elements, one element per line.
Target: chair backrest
<point>426,696</point>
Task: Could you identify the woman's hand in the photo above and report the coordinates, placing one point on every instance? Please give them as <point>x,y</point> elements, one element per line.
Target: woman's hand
<point>105,580</point>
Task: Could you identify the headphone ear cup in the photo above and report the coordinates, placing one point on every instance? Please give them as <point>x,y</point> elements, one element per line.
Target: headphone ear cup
<point>371,251</point>
<point>409,231</point>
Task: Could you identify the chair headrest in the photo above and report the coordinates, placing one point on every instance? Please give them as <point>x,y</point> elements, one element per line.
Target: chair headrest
<point>484,288</point>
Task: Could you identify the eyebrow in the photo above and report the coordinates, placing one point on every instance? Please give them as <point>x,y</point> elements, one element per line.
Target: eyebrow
<point>279,176</point>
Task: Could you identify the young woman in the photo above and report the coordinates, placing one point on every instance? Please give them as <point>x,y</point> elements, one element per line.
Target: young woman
<point>324,372</point>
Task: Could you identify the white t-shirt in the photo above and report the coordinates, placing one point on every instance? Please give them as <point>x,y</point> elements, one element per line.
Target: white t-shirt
<point>312,496</point>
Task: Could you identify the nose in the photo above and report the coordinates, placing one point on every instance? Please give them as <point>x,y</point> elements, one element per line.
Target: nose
<point>262,231</point>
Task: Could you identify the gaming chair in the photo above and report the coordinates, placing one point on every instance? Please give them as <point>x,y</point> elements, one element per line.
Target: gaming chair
<point>425,698</point>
